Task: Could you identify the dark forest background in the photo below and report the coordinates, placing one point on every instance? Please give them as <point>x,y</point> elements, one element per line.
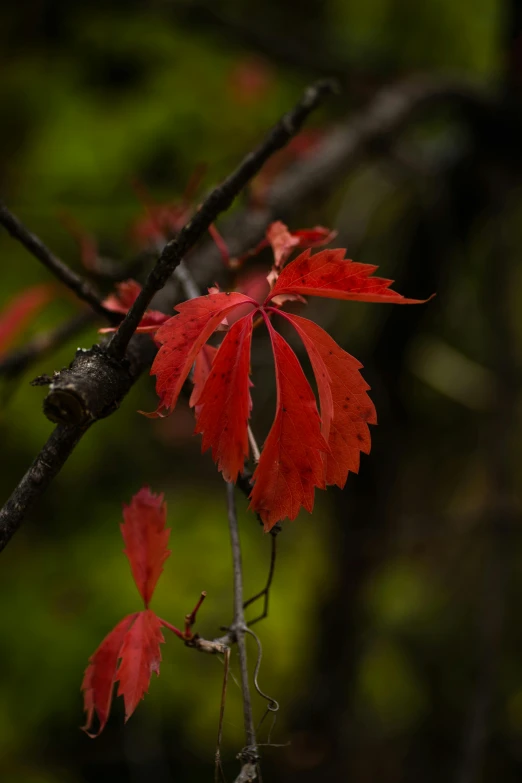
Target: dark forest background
<point>393,642</point>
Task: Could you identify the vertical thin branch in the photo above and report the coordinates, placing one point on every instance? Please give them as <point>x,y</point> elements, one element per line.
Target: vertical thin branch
<point>249,754</point>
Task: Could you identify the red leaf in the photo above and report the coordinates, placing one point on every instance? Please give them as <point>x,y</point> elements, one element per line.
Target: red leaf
<point>20,310</point>
<point>182,337</point>
<point>146,539</point>
<point>346,409</point>
<point>202,367</point>
<point>291,463</point>
<point>126,294</point>
<point>100,675</point>
<point>140,656</point>
<point>302,450</point>
<point>225,403</point>
<point>329,274</point>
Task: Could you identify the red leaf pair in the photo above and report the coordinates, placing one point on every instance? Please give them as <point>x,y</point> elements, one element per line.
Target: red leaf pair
<point>302,450</point>
<point>134,642</point>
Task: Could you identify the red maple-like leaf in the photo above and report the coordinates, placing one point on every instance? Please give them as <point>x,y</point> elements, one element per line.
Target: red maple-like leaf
<point>120,302</point>
<point>20,310</point>
<point>302,450</point>
<point>130,652</point>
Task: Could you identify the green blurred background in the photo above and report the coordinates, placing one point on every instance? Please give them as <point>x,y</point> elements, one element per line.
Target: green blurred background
<point>393,641</point>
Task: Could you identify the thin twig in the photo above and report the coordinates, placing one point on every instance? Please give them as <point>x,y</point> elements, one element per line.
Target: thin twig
<point>218,201</point>
<point>83,289</point>
<point>249,755</point>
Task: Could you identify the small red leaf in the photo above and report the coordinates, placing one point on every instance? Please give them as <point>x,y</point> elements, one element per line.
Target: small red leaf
<point>225,403</point>
<point>100,674</point>
<point>182,337</point>
<point>140,656</point>
<point>146,539</point>
<point>346,409</point>
<point>20,310</point>
<point>329,274</point>
<point>291,463</point>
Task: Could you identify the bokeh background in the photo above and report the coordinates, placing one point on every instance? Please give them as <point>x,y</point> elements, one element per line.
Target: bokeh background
<point>393,640</point>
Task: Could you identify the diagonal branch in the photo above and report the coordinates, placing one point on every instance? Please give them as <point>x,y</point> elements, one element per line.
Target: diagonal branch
<point>83,290</point>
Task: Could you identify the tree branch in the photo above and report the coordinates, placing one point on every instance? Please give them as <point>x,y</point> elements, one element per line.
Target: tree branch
<point>83,290</point>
